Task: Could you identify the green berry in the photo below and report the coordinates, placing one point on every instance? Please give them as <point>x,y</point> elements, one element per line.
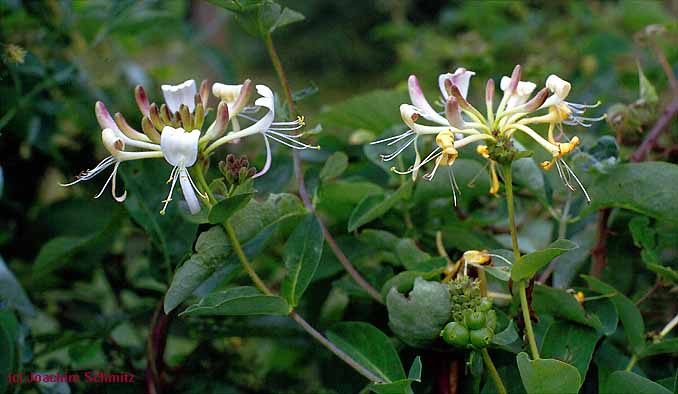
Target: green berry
<point>481,338</point>
<point>485,305</point>
<point>455,334</point>
<point>475,320</point>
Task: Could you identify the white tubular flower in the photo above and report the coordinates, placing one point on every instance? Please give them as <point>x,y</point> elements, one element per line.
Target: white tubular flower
<point>266,126</point>
<point>520,95</point>
<point>180,149</point>
<point>184,93</point>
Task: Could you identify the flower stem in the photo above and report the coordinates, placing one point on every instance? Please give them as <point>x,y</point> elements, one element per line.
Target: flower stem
<point>516,254</point>
<point>493,372</point>
<point>243,259</point>
<point>528,323</point>
<point>303,194</point>
<point>632,363</point>
<point>508,184</point>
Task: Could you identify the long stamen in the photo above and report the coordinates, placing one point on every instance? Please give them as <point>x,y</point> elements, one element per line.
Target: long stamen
<point>453,184</point>
<point>289,142</point>
<point>203,195</point>
<point>431,174</point>
<point>89,174</point>
<point>113,182</point>
<point>588,198</point>
<point>174,178</point>
<point>391,156</point>
<point>395,137</point>
<point>433,155</point>
<point>107,181</point>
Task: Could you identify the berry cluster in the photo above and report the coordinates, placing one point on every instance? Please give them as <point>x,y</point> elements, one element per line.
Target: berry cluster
<point>235,170</point>
<point>474,320</point>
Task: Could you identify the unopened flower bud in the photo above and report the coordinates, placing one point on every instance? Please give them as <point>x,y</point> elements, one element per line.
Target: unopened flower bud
<point>515,79</point>
<point>127,129</point>
<point>149,130</point>
<point>489,91</point>
<point>453,114</point>
<point>186,119</point>
<point>104,117</point>
<point>199,116</point>
<point>141,99</point>
<point>537,100</point>
<point>166,115</point>
<point>218,127</point>
<point>204,92</point>
<point>154,115</point>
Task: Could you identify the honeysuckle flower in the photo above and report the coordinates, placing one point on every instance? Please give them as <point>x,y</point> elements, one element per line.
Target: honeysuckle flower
<point>463,124</point>
<point>265,126</point>
<point>173,131</point>
<point>180,149</point>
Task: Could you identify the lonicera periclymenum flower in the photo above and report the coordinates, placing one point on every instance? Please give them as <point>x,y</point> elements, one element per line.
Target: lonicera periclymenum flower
<point>463,124</point>
<point>173,131</point>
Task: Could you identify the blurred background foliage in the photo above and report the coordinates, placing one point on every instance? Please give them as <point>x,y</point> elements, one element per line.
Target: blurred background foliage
<point>99,275</point>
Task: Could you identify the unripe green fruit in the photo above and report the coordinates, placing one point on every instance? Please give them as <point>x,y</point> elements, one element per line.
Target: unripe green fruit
<point>481,338</point>
<point>485,305</point>
<point>474,319</point>
<point>455,334</point>
<point>491,319</point>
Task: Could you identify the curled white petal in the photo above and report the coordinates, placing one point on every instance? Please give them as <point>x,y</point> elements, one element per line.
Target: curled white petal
<point>560,89</point>
<point>188,192</point>
<point>227,93</point>
<point>184,93</point>
<point>522,93</point>
<point>419,100</point>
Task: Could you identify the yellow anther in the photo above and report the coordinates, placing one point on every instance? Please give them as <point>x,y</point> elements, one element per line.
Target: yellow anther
<point>560,112</point>
<point>546,165</point>
<point>480,257</point>
<point>445,141</point>
<point>483,151</point>
<point>300,120</point>
<point>579,296</point>
<point>567,147</point>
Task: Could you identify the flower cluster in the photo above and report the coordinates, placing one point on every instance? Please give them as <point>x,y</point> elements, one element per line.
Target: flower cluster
<point>173,131</point>
<point>461,124</point>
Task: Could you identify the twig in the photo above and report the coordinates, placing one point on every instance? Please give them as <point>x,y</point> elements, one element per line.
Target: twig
<point>155,349</point>
<point>303,194</point>
<point>653,136</point>
<point>648,294</point>
<point>599,250</point>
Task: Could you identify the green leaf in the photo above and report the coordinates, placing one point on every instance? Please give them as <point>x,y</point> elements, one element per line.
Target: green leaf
<point>662,347</point>
<point>506,337</point>
<point>548,376</point>
<point>370,348</point>
<point>56,252</point>
<point>225,208</point>
<point>238,301</point>
<point>285,17</point>
<point>302,255</point>
<point>374,206</point>
<point>623,382</point>
<point>571,343</point>
<point>558,302</point>
<point>170,233</point>
<point>403,282</point>
<point>418,317</point>
<point>531,263</point>
<point>334,166</point>
<point>403,386</point>
<point>648,188</point>
<point>237,5</point>
<point>259,17</point>
<point>375,111</point>
<point>606,312</point>
<point>630,316</point>
<point>258,215</point>
<point>186,279</point>
<point>337,199</point>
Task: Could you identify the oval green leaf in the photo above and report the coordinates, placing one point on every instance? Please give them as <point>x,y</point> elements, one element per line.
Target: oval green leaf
<point>225,208</point>
<point>531,263</point>
<point>548,376</point>
<point>302,255</point>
